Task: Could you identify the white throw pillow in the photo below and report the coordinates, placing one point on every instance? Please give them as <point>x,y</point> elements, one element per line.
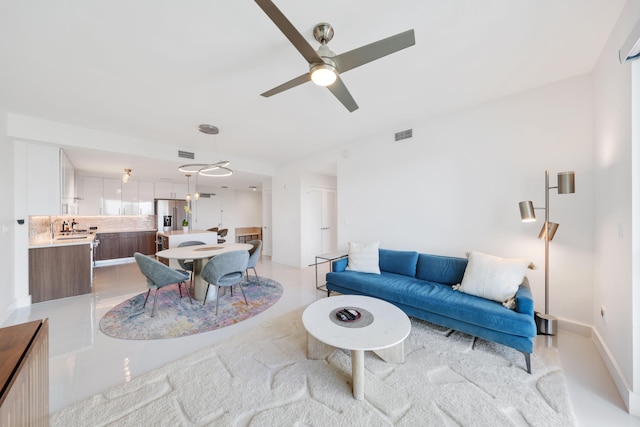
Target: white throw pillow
<point>492,277</point>
<point>363,257</point>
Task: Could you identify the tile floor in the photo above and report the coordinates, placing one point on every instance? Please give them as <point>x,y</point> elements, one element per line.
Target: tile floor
<point>84,362</point>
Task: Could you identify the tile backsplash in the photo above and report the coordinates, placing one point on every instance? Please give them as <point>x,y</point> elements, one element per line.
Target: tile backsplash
<point>39,226</point>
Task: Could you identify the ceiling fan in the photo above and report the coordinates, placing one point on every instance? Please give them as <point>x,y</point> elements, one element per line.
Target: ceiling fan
<point>324,65</point>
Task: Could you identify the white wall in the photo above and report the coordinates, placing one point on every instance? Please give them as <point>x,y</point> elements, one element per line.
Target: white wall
<point>8,224</point>
<point>456,185</point>
<point>248,209</point>
<point>614,220</point>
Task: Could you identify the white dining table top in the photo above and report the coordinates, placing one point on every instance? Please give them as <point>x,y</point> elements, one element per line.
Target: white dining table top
<point>202,251</point>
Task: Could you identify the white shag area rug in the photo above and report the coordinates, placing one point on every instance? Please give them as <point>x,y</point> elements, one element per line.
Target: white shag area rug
<point>263,378</point>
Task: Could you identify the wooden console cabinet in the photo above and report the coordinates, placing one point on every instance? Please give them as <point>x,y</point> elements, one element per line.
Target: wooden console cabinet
<point>24,374</point>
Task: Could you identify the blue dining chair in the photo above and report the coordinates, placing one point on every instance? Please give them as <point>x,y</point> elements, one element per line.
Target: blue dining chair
<point>254,256</point>
<point>225,270</point>
<point>158,276</point>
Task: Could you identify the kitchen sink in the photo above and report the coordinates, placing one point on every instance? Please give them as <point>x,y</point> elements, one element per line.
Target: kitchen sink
<point>71,237</point>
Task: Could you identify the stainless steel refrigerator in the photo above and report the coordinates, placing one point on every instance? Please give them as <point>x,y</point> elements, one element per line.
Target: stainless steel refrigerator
<point>170,213</point>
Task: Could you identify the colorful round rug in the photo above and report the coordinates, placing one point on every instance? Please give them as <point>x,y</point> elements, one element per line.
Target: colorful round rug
<point>176,317</point>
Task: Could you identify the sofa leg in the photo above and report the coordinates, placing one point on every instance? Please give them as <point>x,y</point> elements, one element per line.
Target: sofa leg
<point>527,359</point>
<point>328,293</point>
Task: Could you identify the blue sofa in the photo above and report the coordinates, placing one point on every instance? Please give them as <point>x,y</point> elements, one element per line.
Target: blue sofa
<point>421,285</point>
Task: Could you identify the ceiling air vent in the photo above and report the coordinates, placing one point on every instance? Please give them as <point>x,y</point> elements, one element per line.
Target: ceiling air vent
<point>207,195</point>
<point>405,134</point>
<point>186,155</point>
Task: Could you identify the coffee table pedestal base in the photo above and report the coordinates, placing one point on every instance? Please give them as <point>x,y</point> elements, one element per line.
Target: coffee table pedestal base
<point>317,350</point>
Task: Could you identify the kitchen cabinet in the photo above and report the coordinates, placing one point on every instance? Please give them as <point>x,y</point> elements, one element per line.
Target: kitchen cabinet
<point>169,190</point>
<point>90,202</point>
<point>124,245</point>
<point>137,198</point>
<point>145,198</point>
<point>147,242</point>
<point>24,374</point>
<point>111,196</point>
<point>129,198</point>
<point>67,185</point>
<point>59,272</point>
<point>43,179</point>
<point>109,247</point>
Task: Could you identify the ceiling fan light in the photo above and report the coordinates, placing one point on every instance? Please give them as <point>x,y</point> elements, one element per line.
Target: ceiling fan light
<point>323,74</point>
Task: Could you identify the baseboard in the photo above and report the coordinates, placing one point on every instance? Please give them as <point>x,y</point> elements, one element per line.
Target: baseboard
<point>631,400</point>
<point>11,308</point>
<point>575,327</point>
<point>107,262</point>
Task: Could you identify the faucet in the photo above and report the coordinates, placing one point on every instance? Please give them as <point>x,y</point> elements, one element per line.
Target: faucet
<point>53,234</point>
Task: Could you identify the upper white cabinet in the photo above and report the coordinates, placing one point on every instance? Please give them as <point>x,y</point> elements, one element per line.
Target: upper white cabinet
<point>145,198</point>
<point>105,196</point>
<point>43,179</point>
<point>90,191</point>
<point>112,197</point>
<point>169,190</point>
<point>67,185</point>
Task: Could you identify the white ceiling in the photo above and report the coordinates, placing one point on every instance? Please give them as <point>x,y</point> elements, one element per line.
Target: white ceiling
<point>155,69</point>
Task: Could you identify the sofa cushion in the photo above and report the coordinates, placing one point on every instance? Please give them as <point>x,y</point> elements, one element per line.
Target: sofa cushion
<point>363,257</point>
<point>492,277</point>
<point>399,262</point>
<point>441,269</point>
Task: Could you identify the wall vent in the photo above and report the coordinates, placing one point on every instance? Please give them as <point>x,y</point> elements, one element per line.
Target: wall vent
<point>405,134</point>
<point>186,155</point>
<point>206,195</point>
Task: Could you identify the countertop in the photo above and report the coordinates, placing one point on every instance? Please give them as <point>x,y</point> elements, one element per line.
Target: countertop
<point>181,233</point>
<point>48,242</point>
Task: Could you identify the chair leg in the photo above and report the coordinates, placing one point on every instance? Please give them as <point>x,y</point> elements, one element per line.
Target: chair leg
<point>145,300</point>
<point>188,292</point>
<point>180,289</point>
<point>155,299</point>
<point>205,294</point>
<point>254,272</point>
<point>242,290</point>
<point>217,298</point>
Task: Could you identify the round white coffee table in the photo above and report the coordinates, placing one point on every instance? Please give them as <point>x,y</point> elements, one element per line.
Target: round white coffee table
<point>381,327</point>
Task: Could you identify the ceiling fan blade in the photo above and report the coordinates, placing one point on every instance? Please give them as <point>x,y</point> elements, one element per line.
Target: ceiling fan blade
<point>288,85</point>
<point>340,91</point>
<point>289,31</point>
<point>362,55</point>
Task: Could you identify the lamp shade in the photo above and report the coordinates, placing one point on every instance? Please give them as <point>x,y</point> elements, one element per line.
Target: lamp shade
<point>527,213</point>
<point>553,227</point>
<point>566,182</point>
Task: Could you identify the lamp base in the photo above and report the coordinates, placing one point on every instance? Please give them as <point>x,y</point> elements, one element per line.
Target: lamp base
<point>546,324</point>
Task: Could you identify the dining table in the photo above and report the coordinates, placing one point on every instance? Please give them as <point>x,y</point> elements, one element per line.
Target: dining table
<point>201,254</point>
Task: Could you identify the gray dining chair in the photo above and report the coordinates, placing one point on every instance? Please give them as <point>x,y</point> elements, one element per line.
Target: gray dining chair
<point>158,276</point>
<point>225,270</point>
<point>254,256</point>
<point>222,234</point>
<point>187,264</point>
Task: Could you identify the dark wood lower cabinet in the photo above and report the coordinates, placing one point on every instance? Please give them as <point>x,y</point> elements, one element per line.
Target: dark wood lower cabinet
<point>59,272</point>
<point>24,374</point>
<point>123,245</point>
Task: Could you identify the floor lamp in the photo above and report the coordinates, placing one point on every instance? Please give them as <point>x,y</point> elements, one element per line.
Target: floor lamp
<point>547,324</point>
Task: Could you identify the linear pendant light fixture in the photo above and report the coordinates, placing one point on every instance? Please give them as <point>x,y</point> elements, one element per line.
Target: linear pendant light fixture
<point>218,169</point>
